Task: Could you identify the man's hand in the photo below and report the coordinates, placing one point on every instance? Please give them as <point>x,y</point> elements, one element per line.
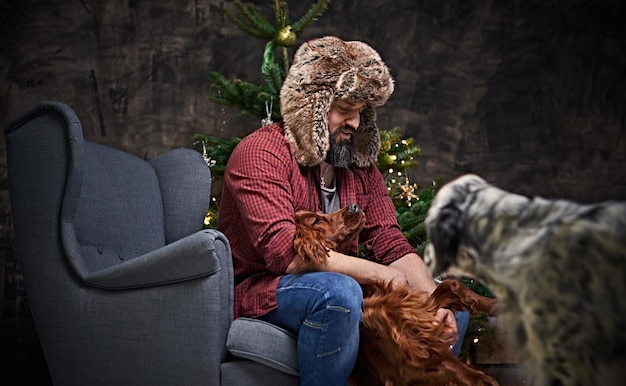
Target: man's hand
<point>420,279</point>
<point>446,317</point>
<point>397,277</point>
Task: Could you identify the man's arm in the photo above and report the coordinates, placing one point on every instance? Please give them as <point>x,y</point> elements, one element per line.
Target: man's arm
<point>408,270</point>
<point>417,274</point>
<point>362,270</point>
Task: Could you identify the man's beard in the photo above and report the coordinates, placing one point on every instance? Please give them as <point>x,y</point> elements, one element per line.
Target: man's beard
<point>340,153</point>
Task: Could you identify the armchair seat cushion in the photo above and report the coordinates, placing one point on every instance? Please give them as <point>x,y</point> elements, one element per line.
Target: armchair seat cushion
<point>264,343</point>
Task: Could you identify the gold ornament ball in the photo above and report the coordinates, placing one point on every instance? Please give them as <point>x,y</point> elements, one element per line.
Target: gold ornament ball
<point>286,37</point>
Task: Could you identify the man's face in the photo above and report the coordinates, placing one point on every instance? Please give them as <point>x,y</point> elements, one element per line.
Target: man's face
<point>343,119</point>
<point>344,116</point>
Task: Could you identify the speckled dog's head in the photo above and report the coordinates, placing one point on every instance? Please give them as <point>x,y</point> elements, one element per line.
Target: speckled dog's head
<point>458,222</point>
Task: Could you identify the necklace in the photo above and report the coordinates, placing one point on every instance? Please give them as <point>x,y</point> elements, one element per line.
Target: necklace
<point>327,176</point>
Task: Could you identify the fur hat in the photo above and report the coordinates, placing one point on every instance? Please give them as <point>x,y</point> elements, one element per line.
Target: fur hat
<point>324,69</point>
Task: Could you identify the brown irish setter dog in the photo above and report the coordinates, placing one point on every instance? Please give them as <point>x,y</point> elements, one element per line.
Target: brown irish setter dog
<point>400,343</point>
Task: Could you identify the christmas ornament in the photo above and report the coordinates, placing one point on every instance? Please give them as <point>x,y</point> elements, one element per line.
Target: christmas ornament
<point>205,154</point>
<point>268,110</point>
<point>286,36</point>
<point>408,191</point>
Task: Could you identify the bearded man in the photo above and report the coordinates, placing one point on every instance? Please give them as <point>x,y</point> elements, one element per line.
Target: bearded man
<point>320,158</point>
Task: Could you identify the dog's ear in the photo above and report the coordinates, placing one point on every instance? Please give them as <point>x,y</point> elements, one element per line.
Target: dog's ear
<point>445,236</point>
<point>311,246</point>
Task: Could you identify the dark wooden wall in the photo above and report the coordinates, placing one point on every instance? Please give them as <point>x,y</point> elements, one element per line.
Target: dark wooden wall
<point>528,93</point>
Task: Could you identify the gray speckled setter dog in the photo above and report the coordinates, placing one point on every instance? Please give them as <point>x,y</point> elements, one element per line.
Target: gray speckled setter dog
<point>557,268</point>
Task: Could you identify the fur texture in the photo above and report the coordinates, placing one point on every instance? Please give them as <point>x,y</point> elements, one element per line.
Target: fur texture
<point>400,343</point>
<point>557,268</point>
<point>317,233</point>
<point>324,69</point>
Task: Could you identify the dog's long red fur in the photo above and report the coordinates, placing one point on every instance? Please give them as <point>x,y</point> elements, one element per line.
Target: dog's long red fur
<point>400,342</point>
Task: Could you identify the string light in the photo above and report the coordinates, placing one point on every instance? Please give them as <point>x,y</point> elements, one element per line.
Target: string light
<point>208,218</point>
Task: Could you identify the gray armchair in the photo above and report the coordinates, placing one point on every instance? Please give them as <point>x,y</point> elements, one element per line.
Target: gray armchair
<point>124,286</point>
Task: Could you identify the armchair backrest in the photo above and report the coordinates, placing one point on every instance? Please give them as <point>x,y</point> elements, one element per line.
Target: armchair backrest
<point>115,206</point>
<point>113,210</point>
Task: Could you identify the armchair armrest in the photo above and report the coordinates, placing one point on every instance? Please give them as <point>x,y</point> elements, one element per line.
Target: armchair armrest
<point>189,258</point>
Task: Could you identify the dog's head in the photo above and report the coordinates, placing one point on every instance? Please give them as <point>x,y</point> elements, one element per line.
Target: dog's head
<point>466,215</point>
<point>318,233</point>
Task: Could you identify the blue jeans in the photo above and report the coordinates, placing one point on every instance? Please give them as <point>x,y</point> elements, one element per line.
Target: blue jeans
<point>323,309</point>
<point>462,321</point>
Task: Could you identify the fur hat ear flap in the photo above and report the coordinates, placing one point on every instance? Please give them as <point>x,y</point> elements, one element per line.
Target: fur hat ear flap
<point>309,146</point>
<point>324,69</point>
<point>366,139</point>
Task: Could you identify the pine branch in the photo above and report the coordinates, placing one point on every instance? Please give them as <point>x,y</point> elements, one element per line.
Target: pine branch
<point>256,24</point>
<point>281,13</point>
<point>253,98</point>
<point>420,247</point>
<point>222,87</point>
<point>275,78</point>
<point>249,97</point>
<point>312,14</point>
<point>261,23</point>
<point>411,219</point>
<point>243,26</point>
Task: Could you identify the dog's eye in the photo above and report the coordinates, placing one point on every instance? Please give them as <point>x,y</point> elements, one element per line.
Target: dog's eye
<point>317,221</point>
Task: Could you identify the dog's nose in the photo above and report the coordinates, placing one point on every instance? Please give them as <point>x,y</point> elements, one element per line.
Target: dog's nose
<point>353,208</point>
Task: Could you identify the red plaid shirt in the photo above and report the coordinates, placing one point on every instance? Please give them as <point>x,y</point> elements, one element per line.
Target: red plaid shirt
<point>263,187</point>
